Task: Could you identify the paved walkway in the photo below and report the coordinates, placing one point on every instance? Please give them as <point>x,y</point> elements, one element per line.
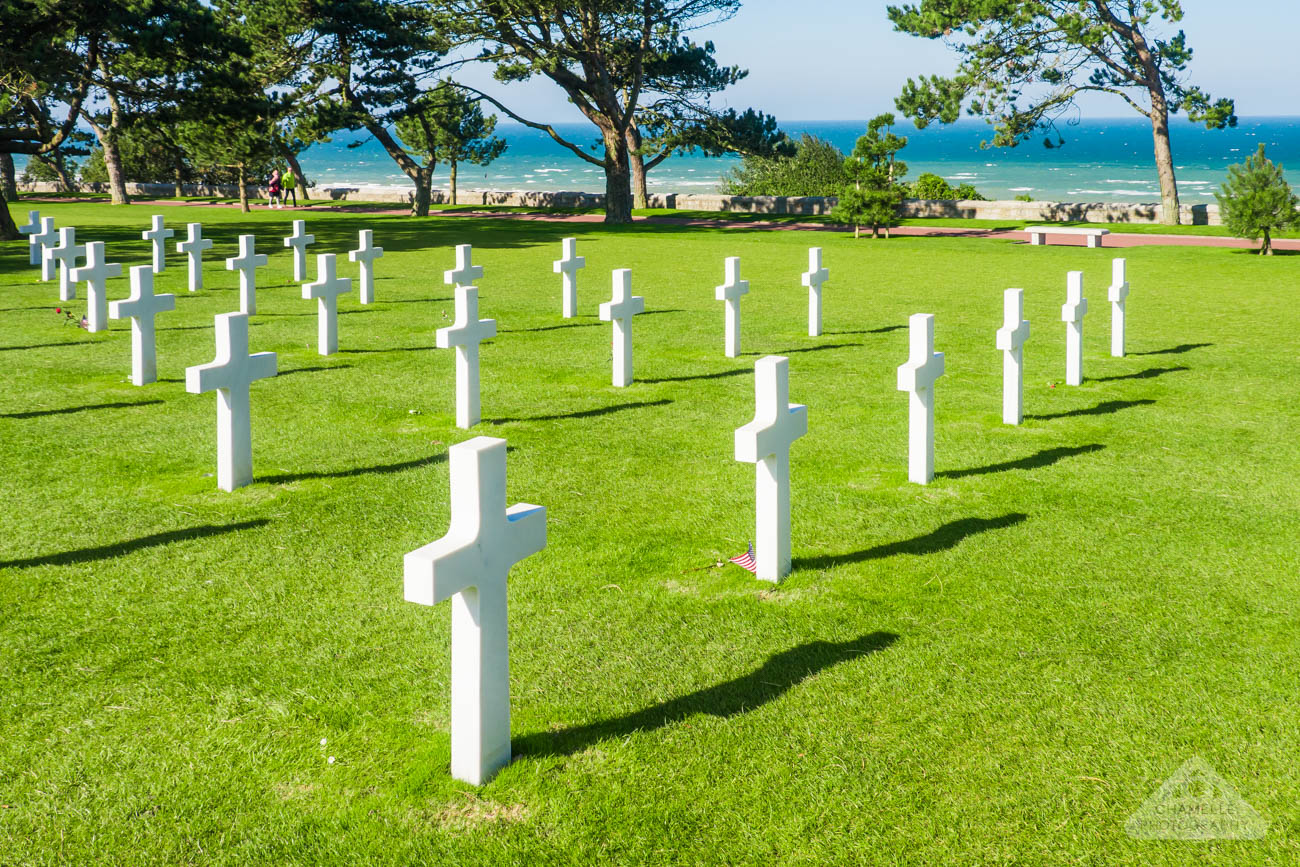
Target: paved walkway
<point>1116,240</point>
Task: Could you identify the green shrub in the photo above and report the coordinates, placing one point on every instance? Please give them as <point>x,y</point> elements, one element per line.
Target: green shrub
<point>1255,200</point>
<point>816,169</point>
<point>931,186</point>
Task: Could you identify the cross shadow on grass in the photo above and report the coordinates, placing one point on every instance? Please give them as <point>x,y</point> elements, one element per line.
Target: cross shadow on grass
<point>550,327</point>
<point>823,347</point>
<point>586,413</point>
<point>414,300</point>
<point>37,413</point>
<point>1149,373</point>
<point>1045,458</point>
<point>948,536</point>
<point>313,369</point>
<point>1175,350</point>
<point>1104,408</point>
<point>118,549</point>
<point>885,330</point>
<point>719,375</point>
<point>773,679</point>
<point>378,470</point>
<point>390,349</point>
<point>42,346</point>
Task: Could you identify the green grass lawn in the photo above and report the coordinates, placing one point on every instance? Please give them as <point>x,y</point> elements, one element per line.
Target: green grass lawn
<point>997,668</point>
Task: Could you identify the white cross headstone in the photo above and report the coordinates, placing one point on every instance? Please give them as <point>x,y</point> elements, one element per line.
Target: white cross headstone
<point>1072,313</point>
<point>65,255</point>
<point>31,227</point>
<point>366,254</point>
<point>141,308</point>
<point>95,273</point>
<point>620,311</point>
<point>917,377</point>
<point>814,278</point>
<point>466,334</point>
<point>193,247</point>
<point>230,375</point>
<point>465,272</point>
<point>326,290</point>
<point>470,565</point>
<point>158,237</point>
<point>247,263</point>
<point>299,241</point>
<point>766,443</point>
<point>569,264</point>
<point>1011,339</point>
<point>1118,295</point>
<point>731,292</point>
<point>38,243</point>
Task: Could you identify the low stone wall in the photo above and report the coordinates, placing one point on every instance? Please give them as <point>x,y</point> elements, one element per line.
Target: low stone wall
<point>1044,212</point>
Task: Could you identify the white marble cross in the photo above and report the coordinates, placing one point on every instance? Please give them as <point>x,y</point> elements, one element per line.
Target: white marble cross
<point>247,263</point>
<point>1072,313</point>
<point>466,334</point>
<point>31,227</point>
<point>814,278</point>
<point>193,246</point>
<point>326,290</point>
<point>620,311</point>
<point>65,255</point>
<point>766,443</point>
<point>158,236</point>
<point>917,377</point>
<point>366,254</point>
<point>731,292</point>
<point>569,264</point>
<point>299,241</point>
<point>230,375</point>
<point>1118,295</point>
<point>1011,339</point>
<point>470,565</point>
<point>465,272</point>
<point>141,308</point>
<point>95,273</point>
<point>37,245</point>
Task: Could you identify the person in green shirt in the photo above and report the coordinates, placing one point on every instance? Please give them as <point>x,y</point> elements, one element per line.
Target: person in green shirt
<point>290,184</point>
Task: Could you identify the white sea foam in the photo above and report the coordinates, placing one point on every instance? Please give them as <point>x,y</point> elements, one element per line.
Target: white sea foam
<point>1022,189</point>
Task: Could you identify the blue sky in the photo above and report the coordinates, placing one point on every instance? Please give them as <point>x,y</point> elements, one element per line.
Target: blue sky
<point>841,60</point>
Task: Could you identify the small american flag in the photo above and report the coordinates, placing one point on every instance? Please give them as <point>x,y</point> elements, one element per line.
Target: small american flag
<point>746,560</point>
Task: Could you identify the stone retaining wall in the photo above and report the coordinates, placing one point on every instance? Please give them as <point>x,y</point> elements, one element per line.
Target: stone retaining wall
<point>1046,212</point>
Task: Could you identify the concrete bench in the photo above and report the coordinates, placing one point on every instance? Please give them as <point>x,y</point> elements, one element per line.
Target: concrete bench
<point>1038,234</point>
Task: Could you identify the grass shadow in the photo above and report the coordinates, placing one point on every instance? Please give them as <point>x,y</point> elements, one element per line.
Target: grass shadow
<point>721,374</point>
<point>1149,373</point>
<point>1175,350</point>
<point>43,346</point>
<point>313,369</point>
<point>118,549</point>
<point>550,327</point>
<point>1045,458</point>
<point>37,413</point>
<point>391,349</point>
<point>379,469</point>
<point>586,413</point>
<point>1104,408</point>
<point>820,348</point>
<point>948,536</point>
<point>885,330</point>
<point>773,679</point>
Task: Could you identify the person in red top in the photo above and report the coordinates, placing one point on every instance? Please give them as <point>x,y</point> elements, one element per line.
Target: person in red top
<point>274,190</point>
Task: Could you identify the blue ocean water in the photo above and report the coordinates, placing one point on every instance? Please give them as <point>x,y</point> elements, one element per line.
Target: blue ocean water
<point>1102,160</point>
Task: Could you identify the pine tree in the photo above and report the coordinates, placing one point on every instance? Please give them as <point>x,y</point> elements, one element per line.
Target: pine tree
<point>876,191</point>
<point>1256,200</point>
<point>448,125</point>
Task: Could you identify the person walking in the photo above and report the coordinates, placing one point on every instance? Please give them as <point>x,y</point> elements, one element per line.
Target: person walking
<point>290,184</point>
<point>273,190</point>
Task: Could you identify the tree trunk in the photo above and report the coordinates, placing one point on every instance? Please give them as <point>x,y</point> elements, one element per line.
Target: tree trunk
<point>1164,160</point>
<point>453,180</point>
<point>423,190</point>
<point>298,176</point>
<point>618,179</point>
<point>1267,249</point>
<point>8,228</point>
<point>857,231</point>
<point>636,162</point>
<point>8,184</point>
<point>178,178</point>
<point>61,169</point>
<point>242,179</point>
<point>113,165</point>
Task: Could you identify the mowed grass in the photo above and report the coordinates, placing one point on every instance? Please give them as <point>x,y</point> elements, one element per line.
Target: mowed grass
<point>997,668</point>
